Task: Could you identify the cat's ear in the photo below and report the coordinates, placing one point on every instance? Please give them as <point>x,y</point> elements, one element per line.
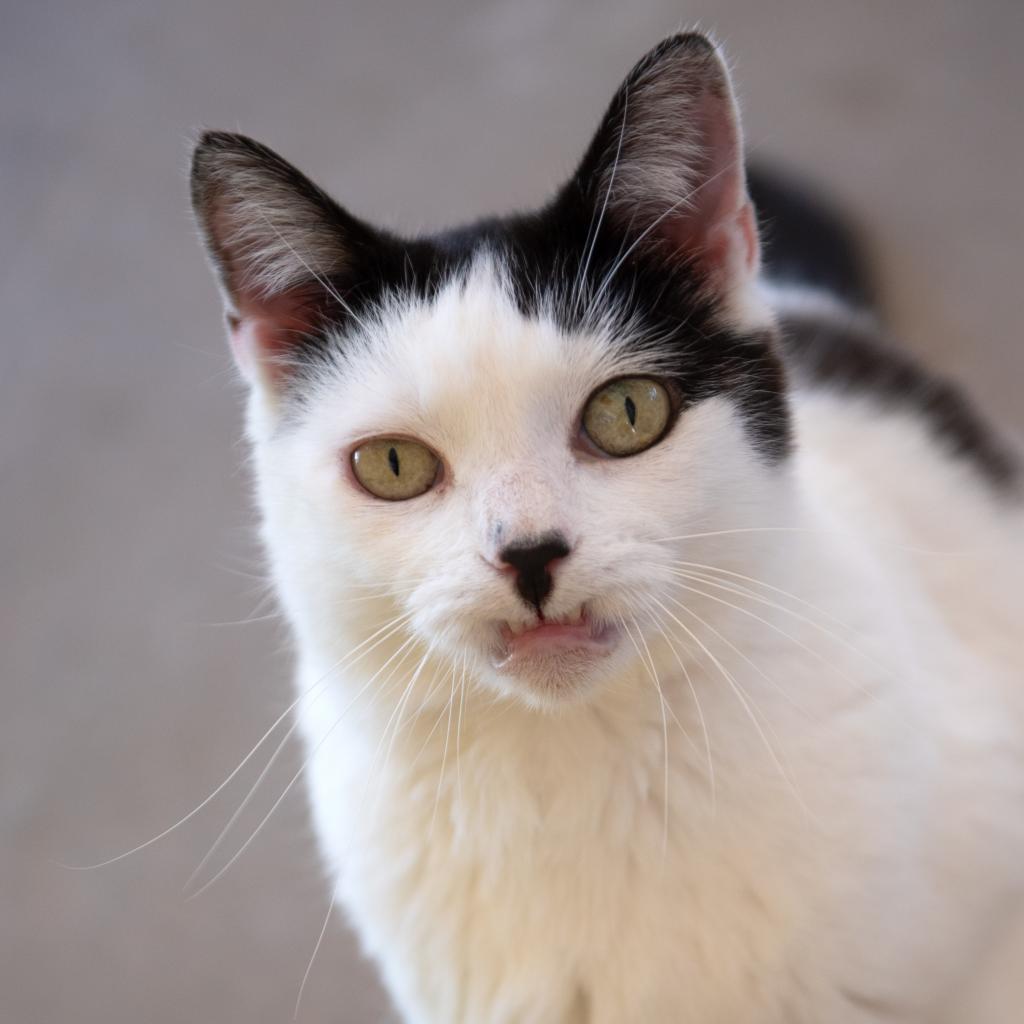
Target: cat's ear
<point>280,247</point>
<point>666,165</point>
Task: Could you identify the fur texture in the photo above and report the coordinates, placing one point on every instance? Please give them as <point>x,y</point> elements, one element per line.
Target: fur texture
<point>790,791</point>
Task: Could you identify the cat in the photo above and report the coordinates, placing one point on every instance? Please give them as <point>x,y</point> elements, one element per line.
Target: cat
<point>657,622</point>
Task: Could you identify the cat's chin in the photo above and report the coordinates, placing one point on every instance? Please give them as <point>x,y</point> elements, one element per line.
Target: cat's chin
<point>554,661</point>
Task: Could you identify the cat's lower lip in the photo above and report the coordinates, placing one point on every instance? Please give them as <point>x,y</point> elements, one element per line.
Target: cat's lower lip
<point>579,637</point>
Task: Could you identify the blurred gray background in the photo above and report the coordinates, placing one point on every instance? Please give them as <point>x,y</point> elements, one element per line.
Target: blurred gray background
<point>125,525</point>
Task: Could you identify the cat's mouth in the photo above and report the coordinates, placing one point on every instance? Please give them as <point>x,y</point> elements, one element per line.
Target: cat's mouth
<point>574,636</point>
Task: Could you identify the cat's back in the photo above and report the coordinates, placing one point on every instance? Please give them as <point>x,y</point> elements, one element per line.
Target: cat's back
<point>895,451</point>
<point>903,465</point>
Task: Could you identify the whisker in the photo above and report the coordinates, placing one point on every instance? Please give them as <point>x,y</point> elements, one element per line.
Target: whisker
<point>252,620</point>
<point>744,703</point>
<point>264,581</point>
<point>295,778</point>
<point>394,626</point>
<point>778,629</point>
<point>406,585</point>
<point>399,711</point>
<point>437,721</point>
<point>316,949</point>
<point>768,586</point>
<point>245,802</point>
<point>444,756</point>
<point>728,643</point>
<point>458,728</point>
<point>255,786</point>
<point>581,276</point>
<point>815,530</point>
<point>650,227</point>
<point>700,715</point>
<point>649,666</point>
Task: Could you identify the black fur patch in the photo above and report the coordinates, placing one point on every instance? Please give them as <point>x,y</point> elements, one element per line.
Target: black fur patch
<point>631,247</point>
<point>805,241</point>
<point>849,357</point>
<point>556,254</point>
<point>545,255</point>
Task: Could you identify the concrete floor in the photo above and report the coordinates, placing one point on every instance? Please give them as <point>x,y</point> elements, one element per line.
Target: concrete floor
<point>125,537</point>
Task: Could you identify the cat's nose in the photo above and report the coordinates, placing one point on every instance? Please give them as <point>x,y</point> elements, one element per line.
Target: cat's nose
<point>532,562</point>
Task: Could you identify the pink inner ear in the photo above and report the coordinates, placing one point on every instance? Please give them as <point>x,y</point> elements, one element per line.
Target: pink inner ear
<point>731,249</point>
<point>264,333</point>
<point>718,228</point>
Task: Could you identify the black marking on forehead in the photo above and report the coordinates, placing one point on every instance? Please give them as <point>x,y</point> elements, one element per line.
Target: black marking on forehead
<point>846,355</point>
<point>550,259</point>
<point>664,309</point>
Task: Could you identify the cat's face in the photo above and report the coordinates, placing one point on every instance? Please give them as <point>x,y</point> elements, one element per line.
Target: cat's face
<point>506,429</point>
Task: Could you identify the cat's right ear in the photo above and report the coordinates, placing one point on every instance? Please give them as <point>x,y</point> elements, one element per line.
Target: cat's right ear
<point>280,246</point>
<point>665,168</point>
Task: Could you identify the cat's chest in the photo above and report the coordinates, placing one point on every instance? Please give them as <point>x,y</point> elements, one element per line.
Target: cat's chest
<point>548,900</point>
<point>537,856</point>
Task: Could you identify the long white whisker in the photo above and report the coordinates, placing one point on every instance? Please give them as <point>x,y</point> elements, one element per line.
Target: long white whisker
<point>270,616</point>
<point>435,686</point>
<point>700,716</point>
<point>248,798</point>
<point>316,949</point>
<point>778,629</point>
<point>458,727</point>
<point>399,711</point>
<point>295,778</point>
<point>744,703</point>
<point>394,625</point>
<point>585,266</point>
<point>242,806</point>
<point>444,756</point>
<point>652,671</point>
<point>767,586</point>
<point>650,227</point>
<point>742,654</point>
<point>912,549</point>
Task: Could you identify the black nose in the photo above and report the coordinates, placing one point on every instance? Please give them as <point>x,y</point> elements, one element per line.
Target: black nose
<point>532,563</point>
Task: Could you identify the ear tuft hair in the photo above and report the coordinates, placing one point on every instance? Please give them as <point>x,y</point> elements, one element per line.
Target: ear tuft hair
<point>285,253</point>
<point>267,227</point>
<point>666,163</point>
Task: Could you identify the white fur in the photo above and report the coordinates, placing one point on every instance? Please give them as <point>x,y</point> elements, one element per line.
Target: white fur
<point>503,847</point>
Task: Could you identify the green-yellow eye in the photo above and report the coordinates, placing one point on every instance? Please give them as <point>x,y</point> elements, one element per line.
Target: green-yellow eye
<point>394,468</point>
<point>627,415</point>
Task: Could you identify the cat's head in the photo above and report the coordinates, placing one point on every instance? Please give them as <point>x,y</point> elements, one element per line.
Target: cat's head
<point>500,432</point>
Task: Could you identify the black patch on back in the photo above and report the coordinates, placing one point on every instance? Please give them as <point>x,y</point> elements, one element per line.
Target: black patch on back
<point>806,241</point>
<point>849,357</point>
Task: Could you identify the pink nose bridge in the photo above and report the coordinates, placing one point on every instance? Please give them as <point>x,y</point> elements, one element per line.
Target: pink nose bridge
<point>521,504</point>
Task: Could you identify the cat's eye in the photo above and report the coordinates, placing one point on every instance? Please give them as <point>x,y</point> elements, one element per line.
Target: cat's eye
<point>627,416</point>
<point>395,468</point>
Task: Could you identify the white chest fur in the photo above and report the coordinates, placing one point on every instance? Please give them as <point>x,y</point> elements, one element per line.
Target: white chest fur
<point>504,865</point>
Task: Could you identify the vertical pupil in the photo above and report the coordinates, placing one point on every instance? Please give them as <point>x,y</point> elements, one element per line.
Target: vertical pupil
<point>393,460</point>
<point>631,411</point>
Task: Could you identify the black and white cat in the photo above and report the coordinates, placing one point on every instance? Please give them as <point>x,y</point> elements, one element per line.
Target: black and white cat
<point>658,628</point>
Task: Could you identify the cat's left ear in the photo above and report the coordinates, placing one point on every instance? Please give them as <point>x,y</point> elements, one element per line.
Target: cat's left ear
<point>666,170</point>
